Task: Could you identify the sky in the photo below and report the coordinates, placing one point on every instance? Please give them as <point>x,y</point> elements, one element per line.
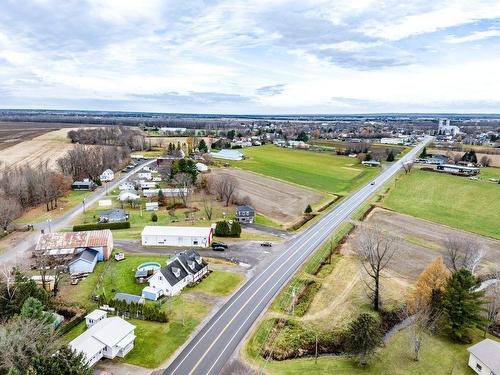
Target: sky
<point>251,57</point>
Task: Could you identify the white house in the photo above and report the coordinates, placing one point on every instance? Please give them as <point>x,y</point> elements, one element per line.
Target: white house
<point>108,337</point>
<point>84,262</point>
<point>393,141</point>
<point>94,317</point>
<point>145,175</point>
<point>107,175</point>
<point>176,236</point>
<point>202,168</point>
<point>484,357</point>
<point>127,186</point>
<point>127,195</point>
<point>184,268</point>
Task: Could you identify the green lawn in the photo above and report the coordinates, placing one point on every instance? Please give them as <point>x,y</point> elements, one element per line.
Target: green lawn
<point>220,283</point>
<point>320,171</point>
<point>451,200</point>
<point>81,293</point>
<point>439,356</point>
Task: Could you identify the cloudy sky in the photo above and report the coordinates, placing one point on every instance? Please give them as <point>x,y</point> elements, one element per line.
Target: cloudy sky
<point>244,56</point>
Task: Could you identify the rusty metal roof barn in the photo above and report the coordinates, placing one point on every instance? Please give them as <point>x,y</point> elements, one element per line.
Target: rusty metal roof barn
<point>69,240</point>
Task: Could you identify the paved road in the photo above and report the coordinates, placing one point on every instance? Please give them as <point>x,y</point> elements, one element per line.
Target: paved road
<point>16,254</point>
<point>210,349</point>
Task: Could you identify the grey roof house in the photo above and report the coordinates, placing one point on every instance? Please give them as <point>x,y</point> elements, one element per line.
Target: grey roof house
<point>484,357</point>
<point>193,263</point>
<point>245,214</point>
<point>112,216</point>
<point>84,261</point>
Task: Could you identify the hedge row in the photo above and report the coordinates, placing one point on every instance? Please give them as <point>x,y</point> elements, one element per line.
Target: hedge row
<point>97,226</point>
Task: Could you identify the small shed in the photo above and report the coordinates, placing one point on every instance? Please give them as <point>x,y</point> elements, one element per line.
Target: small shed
<point>484,357</point>
<point>105,203</point>
<point>152,206</point>
<point>84,262</point>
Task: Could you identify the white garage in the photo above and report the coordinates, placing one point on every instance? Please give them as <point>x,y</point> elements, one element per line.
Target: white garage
<point>177,236</point>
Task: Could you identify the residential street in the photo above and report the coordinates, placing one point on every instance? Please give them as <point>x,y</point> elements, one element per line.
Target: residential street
<point>213,346</point>
<point>17,254</point>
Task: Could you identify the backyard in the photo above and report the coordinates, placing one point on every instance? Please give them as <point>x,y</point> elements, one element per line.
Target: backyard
<point>451,200</point>
<point>155,342</point>
<point>326,172</point>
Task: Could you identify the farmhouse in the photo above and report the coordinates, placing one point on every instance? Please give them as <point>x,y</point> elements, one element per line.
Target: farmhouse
<point>84,262</point>
<point>106,337</point>
<point>71,243</point>
<point>484,357</point>
<point>107,175</point>
<point>176,236</point>
<point>184,268</point>
<point>245,214</point>
<point>458,169</point>
<point>227,154</point>
<point>112,216</point>
<point>85,184</point>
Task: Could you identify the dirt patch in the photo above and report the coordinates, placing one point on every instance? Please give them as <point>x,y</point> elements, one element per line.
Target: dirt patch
<point>281,202</point>
<point>421,241</point>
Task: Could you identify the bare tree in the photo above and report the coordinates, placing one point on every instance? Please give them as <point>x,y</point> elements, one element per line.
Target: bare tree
<point>485,161</point>
<point>10,209</point>
<point>407,167</point>
<point>463,253</point>
<point>207,207</point>
<point>224,187</point>
<point>183,182</point>
<point>375,249</point>
<point>493,303</point>
<point>420,324</point>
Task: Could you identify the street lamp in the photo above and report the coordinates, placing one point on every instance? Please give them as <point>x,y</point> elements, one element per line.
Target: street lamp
<point>83,202</point>
<point>48,222</point>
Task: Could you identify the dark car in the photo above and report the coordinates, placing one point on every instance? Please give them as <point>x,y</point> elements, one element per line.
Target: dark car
<point>266,244</point>
<point>218,248</point>
<point>372,183</point>
<point>219,244</point>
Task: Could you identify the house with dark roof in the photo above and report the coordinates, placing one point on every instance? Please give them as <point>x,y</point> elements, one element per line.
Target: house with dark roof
<point>85,184</point>
<point>129,298</point>
<point>245,214</point>
<point>194,264</point>
<point>181,270</point>
<point>84,262</point>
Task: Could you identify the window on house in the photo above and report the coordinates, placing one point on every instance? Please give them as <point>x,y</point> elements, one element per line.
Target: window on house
<point>478,366</point>
<point>195,242</point>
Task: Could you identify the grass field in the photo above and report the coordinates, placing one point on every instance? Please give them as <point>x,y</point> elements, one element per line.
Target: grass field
<point>439,356</point>
<point>320,171</point>
<point>451,200</point>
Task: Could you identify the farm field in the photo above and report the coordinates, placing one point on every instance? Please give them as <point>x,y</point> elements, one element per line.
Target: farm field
<point>283,203</point>
<point>321,171</point>
<point>47,147</point>
<point>451,200</point>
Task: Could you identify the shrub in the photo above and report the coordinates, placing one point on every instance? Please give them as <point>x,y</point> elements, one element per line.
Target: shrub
<point>235,229</point>
<point>154,217</point>
<point>222,229</point>
<point>308,209</point>
<point>97,226</point>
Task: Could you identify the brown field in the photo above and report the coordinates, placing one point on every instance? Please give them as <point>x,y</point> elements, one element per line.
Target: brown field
<point>420,242</point>
<point>495,159</point>
<point>284,203</point>
<point>46,147</point>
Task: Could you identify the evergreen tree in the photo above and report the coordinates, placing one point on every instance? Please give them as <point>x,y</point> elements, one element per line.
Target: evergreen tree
<point>368,157</point>
<point>423,154</point>
<point>65,362</point>
<point>363,336</point>
<point>161,197</point>
<point>302,136</point>
<point>202,146</point>
<point>231,134</point>
<point>390,156</point>
<point>308,209</point>
<point>235,229</point>
<point>154,217</point>
<point>33,309</point>
<point>222,229</point>
<point>462,305</point>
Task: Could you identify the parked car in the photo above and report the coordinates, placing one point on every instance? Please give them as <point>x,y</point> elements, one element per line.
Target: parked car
<point>220,244</point>
<point>372,183</point>
<point>266,244</point>
<point>218,248</point>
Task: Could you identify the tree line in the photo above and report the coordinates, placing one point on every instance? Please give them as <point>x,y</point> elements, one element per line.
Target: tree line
<point>131,137</point>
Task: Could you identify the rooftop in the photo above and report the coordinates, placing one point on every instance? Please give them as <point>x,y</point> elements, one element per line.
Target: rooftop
<point>488,352</point>
<point>68,240</point>
<point>176,231</point>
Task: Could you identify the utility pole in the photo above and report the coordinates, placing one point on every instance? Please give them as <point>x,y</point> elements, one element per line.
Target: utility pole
<point>83,202</point>
<point>316,354</point>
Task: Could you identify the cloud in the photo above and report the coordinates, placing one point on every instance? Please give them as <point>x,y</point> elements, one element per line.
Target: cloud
<point>475,36</point>
<point>271,90</point>
<point>190,98</point>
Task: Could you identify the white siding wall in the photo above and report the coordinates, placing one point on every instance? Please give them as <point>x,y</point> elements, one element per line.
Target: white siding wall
<point>158,240</point>
<point>473,362</point>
